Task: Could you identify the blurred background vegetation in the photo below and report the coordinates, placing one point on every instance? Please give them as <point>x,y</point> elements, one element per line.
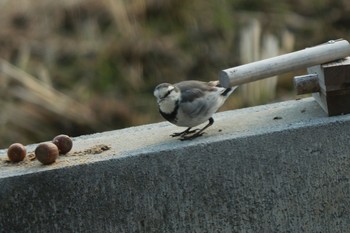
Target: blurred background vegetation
<point>85,66</point>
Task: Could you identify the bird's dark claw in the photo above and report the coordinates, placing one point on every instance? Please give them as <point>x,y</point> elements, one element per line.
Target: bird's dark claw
<point>183,133</point>
<point>190,137</point>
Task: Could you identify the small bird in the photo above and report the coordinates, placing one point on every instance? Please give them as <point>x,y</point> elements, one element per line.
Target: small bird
<point>190,103</point>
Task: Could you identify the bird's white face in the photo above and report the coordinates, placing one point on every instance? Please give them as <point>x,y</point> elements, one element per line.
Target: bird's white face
<point>167,97</point>
<point>166,91</point>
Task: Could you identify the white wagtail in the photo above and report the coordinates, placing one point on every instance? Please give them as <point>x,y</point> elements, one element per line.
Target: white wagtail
<point>190,103</point>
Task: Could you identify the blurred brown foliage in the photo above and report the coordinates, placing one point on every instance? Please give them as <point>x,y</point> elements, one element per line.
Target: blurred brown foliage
<point>84,66</point>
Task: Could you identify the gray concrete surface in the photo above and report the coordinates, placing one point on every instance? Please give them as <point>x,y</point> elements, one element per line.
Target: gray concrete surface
<point>283,167</point>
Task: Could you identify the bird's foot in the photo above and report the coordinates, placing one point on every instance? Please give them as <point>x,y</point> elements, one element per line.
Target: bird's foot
<point>196,133</point>
<point>184,133</point>
<point>190,137</point>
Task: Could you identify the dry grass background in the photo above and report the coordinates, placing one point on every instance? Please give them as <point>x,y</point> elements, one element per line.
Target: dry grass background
<point>84,66</point>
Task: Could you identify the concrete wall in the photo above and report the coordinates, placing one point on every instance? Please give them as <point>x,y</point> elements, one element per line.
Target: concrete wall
<point>282,167</point>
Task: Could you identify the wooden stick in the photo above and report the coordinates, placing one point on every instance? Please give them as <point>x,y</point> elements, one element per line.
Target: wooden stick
<point>305,84</point>
<point>330,51</point>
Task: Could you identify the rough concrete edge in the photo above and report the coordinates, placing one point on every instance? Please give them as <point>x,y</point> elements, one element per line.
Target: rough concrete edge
<point>220,137</point>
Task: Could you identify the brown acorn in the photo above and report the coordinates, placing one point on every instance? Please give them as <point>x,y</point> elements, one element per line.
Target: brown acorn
<point>64,143</point>
<point>46,153</point>
<point>16,152</point>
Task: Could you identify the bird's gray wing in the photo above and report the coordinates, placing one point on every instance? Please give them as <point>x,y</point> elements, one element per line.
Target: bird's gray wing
<point>193,101</point>
<point>194,108</point>
<point>190,95</point>
<point>193,90</point>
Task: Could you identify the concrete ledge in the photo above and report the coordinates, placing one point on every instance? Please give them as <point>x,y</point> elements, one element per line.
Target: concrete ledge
<point>282,167</point>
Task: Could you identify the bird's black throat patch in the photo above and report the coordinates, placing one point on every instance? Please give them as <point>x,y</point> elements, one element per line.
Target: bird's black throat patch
<point>171,117</point>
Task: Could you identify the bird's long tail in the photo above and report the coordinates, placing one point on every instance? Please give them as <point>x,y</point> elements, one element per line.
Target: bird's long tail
<point>227,91</point>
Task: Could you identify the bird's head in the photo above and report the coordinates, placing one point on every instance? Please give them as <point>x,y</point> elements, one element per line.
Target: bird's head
<point>166,91</point>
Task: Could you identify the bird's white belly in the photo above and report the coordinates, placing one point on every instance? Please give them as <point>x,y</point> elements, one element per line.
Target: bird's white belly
<point>198,112</point>
<point>185,120</point>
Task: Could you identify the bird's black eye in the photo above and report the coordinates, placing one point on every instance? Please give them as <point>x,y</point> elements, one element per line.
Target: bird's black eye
<point>168,93</point>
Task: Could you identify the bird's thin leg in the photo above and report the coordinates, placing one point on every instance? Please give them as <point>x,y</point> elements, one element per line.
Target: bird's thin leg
<point>199,133</point>
<point>183,133</point>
